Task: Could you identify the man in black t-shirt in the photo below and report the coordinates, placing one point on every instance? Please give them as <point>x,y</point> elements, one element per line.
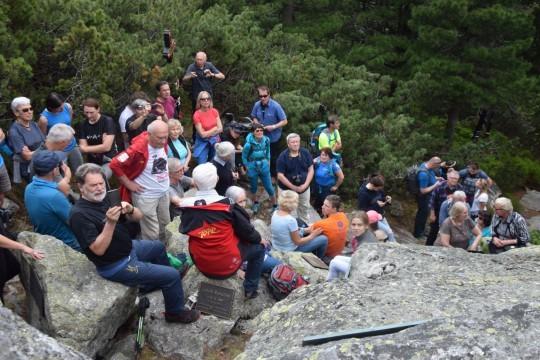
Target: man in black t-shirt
<point>102,234</point>
<point>96,136</point>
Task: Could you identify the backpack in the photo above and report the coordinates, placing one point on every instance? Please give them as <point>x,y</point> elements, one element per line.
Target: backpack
<point>314,140</point>
<point>411,179</point>
<point>283,280</point>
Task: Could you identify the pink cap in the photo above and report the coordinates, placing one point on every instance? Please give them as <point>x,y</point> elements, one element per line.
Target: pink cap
<point>373,216</point>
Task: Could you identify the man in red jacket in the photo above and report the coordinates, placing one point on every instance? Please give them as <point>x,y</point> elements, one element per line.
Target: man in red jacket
<point>143,173</point>
<point>219,237</point>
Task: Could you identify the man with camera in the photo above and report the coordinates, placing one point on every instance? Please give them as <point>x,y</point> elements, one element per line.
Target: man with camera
<point>139,121</point>
<point>294,172</point>
<point>100,227</point>
<point>200,74</point>
<point>47,207</point>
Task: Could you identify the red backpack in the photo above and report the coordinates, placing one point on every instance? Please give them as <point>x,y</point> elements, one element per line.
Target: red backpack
<point>283,280</point>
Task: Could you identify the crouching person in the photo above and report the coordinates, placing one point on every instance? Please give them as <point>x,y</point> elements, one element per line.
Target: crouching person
<point>105,241</point>
<point>219,238</point>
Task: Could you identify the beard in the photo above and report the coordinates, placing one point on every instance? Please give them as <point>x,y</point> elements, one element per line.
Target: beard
<point>95,196</point>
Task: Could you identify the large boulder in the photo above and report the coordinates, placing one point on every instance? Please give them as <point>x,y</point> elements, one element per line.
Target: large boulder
<point>183,341</point>
<point>20,341</point>
<point>312,274</point>
<point>531,200</point>
<point>68,300</point>
<point>464,296</point>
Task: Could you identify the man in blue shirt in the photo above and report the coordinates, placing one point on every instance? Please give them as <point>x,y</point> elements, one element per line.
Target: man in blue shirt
<point>47,206</point>
<point>427,182</point>
<point>270,114</point>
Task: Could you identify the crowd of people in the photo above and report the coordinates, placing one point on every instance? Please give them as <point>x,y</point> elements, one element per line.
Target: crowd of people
<point>126,239</point>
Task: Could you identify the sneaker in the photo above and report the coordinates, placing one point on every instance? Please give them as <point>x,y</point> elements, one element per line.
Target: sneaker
<point>251,294</point>
<point>184,316</point>
<point>256,207</point>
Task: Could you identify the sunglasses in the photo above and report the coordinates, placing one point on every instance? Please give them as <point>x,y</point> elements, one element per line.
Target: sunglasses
<point>205,99</point>
<point>263,96</point>
<point>258,130</point>
<point>25,110</point>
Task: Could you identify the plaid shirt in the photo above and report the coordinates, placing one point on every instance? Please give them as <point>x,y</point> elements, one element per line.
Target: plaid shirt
<point>513,227</point>
<point>438,196</point>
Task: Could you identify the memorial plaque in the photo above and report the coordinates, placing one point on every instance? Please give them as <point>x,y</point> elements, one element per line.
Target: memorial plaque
<point>314,261</point>
<point>215,300</point>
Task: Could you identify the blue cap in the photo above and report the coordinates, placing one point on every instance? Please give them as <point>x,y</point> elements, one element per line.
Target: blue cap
<point>45,161</point>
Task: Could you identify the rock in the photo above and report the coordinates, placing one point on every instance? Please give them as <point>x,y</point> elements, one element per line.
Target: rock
<point>68,300</point>
<point>241,308</point>
<point>404,236</point>
<point>176,242</point>
<point>123,349</point>
<point>471,299</point>
<point>534,223</point>
<point>531,200</point>
<point>396,209</point>
<point>183,341</point>
<point>293,258</point>
<point>20,341</point>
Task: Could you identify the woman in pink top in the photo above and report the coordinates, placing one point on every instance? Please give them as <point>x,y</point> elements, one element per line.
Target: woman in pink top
<point>208,126</point>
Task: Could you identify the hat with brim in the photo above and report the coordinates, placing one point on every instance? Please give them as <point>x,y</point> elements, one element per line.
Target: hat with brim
<point>43,162</point>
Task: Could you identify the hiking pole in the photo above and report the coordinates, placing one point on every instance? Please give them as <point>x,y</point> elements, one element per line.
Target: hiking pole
<point>144,304</point>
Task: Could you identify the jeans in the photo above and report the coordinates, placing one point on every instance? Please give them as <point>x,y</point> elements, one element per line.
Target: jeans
<point>433,231</point>
<point>422,214</point>
<point>269,263</point>
<point>274,153</point>
<point>320,192</point>
<point>317,246</point>
<point>384,226</point>
<point>260,169</point>
<point>254,255</point>
<point>148,267</point>
<point>203,150</point>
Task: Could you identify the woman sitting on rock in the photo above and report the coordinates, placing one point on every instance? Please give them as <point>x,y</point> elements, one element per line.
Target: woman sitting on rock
<point>508,228</point>
<point>458,229</point>
<point>286,236</point>
<point>361,235</point>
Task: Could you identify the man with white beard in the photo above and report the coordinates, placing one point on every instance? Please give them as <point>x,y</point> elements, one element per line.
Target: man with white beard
<point>105,240</point>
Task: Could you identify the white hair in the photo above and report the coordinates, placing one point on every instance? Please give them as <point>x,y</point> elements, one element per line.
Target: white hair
<point>457,209</point>
<point>60,133</point>
<point>504,203</point>
<point>292,136</point>
<point>18,101</point>
<point>235,192</point>
<point>174,164</point>
<point>154,125</point>
<point>459,196</point>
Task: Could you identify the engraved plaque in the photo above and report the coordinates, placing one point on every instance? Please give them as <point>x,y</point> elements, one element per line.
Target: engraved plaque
<point>215,300</point>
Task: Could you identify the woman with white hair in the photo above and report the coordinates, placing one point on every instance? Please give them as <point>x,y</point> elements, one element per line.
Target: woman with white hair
<point>457,230</point>
<point>223,161</point>
<point>508,228</point>
<point>286,235</point>
<point>24,137</point>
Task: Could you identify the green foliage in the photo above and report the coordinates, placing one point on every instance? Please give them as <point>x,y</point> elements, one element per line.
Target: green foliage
<point>535,237</point>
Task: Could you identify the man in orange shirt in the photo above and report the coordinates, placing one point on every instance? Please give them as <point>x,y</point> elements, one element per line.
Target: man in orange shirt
<point>335,225</point>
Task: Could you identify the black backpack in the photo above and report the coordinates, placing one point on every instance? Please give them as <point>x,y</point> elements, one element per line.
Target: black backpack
<point>411,179</point>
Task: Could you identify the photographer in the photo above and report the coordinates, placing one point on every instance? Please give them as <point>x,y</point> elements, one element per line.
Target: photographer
<point>200,74</point>
<point>139,121</point>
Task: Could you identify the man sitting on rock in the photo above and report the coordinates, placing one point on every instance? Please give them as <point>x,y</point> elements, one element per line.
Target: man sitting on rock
<point>216,231</point>
<point>47,207</point>
<point>104,239</point>
<point>334,226</point>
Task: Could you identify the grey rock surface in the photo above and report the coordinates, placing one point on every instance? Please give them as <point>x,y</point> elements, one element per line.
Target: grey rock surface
<point>313,274</point>
<point>534,223</point>
<point>531,200</point>
<point>491,300</point>
<point>183,341</point>
<point>176,242</point>
<point>20,341</point>
<point>123,349</point>
<point>68,300</point>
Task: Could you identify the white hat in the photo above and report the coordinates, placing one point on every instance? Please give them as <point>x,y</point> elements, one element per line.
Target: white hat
<point>205,176</point>
<point>224,149</point>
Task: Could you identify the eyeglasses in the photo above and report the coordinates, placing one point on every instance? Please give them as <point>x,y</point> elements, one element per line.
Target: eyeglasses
<point>205,99</point>
<point>263,96</point>
<point>498,209</point>
<point>25,110</point>
<point>258,130</point>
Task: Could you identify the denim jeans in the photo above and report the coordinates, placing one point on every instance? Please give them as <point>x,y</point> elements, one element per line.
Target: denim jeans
<point>317,246</point>
<point>269,263</point>
<point>148,267</point>
<point>254,255</point>
<point>384,226</point>
<point>260,169</point>
<point>421,215</point>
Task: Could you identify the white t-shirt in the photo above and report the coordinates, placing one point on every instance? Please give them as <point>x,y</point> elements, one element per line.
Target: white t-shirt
<point>126,114</point>
<point>155,177</point>
<point>478,199</point>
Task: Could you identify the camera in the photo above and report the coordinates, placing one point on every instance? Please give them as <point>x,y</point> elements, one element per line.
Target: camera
<point>168,46</point>
<point>297,180</point>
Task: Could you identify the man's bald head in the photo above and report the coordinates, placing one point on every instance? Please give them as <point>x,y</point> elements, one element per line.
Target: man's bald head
<point>158,133</point>
<point>434,162</point>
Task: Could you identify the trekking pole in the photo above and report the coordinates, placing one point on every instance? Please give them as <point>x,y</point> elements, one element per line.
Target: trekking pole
<point>144,304</point>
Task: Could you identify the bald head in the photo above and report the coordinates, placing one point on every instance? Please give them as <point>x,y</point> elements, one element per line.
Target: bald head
<point>200,58</point>
<point>158,133</point>
<point>434,162</point>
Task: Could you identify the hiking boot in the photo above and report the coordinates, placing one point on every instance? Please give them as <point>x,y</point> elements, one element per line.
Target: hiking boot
<point>251,294</point>
<point>256,207</point>
<point>184,316</point>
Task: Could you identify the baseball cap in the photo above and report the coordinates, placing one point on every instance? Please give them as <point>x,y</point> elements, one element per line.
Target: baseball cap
<point>373,216</point>
<point>45,161</point>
